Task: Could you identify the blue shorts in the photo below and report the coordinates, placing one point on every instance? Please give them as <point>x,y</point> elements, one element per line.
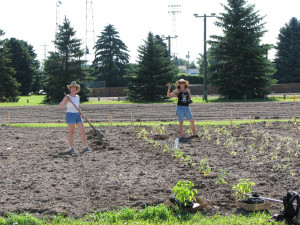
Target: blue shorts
<point>73,118</point>
<point>183,111</point>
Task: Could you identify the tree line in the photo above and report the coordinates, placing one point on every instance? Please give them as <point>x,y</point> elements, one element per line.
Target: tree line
<point>238,62</point>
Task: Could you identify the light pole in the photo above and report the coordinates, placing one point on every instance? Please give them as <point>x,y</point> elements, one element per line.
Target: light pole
<point>205,56</point>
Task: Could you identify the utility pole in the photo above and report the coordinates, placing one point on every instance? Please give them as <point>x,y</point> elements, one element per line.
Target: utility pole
<point>188,64</point>
<point>205,56</point>
<point>169,42</point>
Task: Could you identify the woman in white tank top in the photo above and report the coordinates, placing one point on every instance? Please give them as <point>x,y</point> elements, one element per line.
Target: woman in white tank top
<point>73,117</point>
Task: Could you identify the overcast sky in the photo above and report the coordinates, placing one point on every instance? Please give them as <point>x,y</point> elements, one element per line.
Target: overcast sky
<point>34,21</point>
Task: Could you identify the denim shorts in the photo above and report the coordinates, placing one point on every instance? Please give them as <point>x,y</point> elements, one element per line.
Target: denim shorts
<point>183,111</point>
<point>73,118</point>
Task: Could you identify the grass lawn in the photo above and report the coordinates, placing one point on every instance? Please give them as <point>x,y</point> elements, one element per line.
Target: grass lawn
<point>150,215</point>
<point>34,100</point>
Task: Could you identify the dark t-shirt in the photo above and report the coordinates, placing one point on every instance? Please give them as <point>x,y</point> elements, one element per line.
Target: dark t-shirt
<point>183,99</point>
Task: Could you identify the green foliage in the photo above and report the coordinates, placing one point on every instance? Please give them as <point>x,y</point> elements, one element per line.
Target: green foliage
<point>204,167</point>
<point>221,179</point>
<point>23,60</point>
<point>240,63</point>
<point>193,79</point>
<point>8,84</point>
<point>243,187</point>
<point>184,191</point>
<point>288,53</point>
<point>150,215</point>
<point>111,58</point>
<point>154,71</point>
<point>158,129</point>
<point>64,65</point>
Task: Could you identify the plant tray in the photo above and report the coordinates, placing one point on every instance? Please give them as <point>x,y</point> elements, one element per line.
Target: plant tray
<point>253,207</point>
<point>160,137</point>
<point>198,205</point>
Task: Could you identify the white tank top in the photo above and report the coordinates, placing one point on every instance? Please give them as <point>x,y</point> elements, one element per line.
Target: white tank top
<point>70,107</point>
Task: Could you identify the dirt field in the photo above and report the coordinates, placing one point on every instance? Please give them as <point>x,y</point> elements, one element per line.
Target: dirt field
<point>151,112</point>
<point>126,171</point>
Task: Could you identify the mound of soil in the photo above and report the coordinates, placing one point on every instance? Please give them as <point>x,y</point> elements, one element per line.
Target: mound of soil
<point>124,170</point>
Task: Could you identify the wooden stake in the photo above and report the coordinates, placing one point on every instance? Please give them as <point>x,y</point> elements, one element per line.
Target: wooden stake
<point>108,119</point>
<point>231,118</point>
<point>295,107</point>
<point>133,122</point>
<point>250,122</point>
<point>111,123</point>
<point>8,117</point>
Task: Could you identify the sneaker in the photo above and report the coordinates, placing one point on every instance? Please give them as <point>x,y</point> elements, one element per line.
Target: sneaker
<point>70,152</point>
<point>85,149</point>
<point>195,136</point>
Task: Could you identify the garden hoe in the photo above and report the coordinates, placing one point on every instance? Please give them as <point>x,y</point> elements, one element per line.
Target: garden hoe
<point>98,133</point>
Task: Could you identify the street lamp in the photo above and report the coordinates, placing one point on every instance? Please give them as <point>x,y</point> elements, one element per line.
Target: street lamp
<point>205,56</point>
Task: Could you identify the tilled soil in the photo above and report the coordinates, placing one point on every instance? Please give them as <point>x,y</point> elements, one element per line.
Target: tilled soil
<point>152,112</point>
<point>126,171</point>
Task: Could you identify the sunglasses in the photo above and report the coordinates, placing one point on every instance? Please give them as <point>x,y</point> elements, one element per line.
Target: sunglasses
<point>181,82</point>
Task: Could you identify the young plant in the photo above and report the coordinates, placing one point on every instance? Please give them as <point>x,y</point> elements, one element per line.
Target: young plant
<point>184,191</point>
<point>158,129</point>
<point>143,133</point>
<point>178,153</point>
<point>220,177</point>
<point>166,149</point>
<point>189,131</point>
<point>204,167</point>
<point>242,188</point>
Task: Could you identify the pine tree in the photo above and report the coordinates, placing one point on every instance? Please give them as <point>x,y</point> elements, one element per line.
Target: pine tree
<point>65,65</point>
<point>111,58</point>
<point>288,53</point>
<point>240,63</point>
<point>8,84</point>
<point>154,71</point>
<point>23,60</point>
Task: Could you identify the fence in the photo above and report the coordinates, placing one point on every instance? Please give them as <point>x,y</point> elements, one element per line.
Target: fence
<point>196,89</point>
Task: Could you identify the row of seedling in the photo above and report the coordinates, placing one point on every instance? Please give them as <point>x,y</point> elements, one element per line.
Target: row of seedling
<point>203,167</point>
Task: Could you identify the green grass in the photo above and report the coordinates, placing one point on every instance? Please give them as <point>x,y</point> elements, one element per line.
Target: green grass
<point>150,215</point>
<point>150,123</point>
<point>34,100</point>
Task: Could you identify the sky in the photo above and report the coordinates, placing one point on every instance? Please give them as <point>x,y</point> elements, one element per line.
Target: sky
<point>34,21</point>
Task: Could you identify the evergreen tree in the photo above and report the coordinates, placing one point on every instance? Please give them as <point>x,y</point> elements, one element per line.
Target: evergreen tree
<point>23,60</point>
<point>111,58</point>
<point>154,70</point>
<point>240,63</point>
<point>65,65</point>
<point>288,53</point>
<point>8,84</point>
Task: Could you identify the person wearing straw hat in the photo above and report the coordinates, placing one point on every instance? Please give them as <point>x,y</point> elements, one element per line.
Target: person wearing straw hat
<point>182,109</point>
<point>73,117</point>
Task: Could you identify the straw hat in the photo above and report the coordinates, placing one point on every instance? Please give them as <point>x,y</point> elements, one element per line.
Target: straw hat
<point>182,80</point>
<point>74,84</point>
